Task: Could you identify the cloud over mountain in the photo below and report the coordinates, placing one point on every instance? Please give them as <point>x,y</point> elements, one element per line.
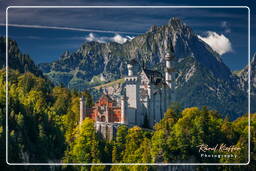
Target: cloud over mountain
<point>117,38</point>
<point>218,42</point>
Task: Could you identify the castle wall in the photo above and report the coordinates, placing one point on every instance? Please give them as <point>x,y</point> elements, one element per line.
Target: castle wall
<point>107,130</point>
<point>157,106</point>
<point>164,101</point>
<point>162,109</point>
<point>153,108</point>
<point>123,110</point>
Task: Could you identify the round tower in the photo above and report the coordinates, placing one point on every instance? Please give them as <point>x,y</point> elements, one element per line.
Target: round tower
<point>130,69</point>
<point>169,70</point>
<point>131,66</point>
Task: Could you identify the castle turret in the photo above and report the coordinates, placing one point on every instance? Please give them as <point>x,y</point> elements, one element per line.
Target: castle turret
<point>82,109</point>
<point>169,70</point>
<point>169,65</point>
<point>130,69</point>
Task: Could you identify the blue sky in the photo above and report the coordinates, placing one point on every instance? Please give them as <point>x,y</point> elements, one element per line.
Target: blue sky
<point>46,44</point>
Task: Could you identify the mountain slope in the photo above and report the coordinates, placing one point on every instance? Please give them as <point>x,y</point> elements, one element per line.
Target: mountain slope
<point>198,86</point>
<point>17,60</point>
<point>243,76</point>
<point>243,81</point>
<point>202,78</point>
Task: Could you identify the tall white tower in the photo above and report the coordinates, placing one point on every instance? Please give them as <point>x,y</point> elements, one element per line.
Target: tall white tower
<point>170,73</point>
<point>169,70</point>
<point>82,109</point>
<point>132,97</point>
<point>169,65</point>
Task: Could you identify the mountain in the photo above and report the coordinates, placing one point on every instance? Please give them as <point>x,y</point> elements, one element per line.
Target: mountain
<point>202,78</point>
<point>16,59</point>
<point>243,81</point>
<point>243,76</point>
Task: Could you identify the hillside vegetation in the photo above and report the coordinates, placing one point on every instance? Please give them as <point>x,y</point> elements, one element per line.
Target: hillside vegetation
<point>43,127</point>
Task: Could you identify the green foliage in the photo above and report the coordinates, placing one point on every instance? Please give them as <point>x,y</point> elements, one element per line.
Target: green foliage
<point>33,135</point>
<point>85,147</point>
<point>44,126</point>
<point>119,144</point>
<point>177,139</point>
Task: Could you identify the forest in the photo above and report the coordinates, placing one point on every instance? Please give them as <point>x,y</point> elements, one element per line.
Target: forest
<point>43,126</point>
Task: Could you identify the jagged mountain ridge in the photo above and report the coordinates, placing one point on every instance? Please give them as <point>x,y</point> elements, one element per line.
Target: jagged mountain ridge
<point>16,59</point>
<point>111,57</point>
<point>202,78</point>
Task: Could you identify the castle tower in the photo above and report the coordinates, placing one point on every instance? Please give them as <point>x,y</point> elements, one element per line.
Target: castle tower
<point>82,109</point>
<point>170,71</point>
<point>131,91</point>
<point>130,69</point>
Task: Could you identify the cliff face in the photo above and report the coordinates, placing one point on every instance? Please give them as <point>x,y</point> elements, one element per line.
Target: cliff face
<point>202,78</point>
<point>243,76</point>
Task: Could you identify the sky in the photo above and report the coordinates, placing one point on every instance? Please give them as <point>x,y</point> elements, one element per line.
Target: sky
<point>45,34</point>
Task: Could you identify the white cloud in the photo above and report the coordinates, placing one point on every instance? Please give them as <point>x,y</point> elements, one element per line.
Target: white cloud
<point>117,38</point>
<point>218,42</point>
<point>91,37</point>
<point>130,37</point>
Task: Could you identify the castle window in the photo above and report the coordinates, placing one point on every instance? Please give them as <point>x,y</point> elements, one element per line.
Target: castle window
<point>103,119</point>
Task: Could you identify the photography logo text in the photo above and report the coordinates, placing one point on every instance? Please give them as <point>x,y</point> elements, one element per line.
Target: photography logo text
<point>218,151</point>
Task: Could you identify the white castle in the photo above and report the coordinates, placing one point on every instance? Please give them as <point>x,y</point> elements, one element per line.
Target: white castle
<point>147,95</point>
<point>143,100</point>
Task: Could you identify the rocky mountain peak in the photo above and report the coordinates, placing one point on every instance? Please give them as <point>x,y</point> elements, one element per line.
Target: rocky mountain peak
<point>179,26</point>
<point>175,21</point>
<point>153,28</point>
<point>65,54</point>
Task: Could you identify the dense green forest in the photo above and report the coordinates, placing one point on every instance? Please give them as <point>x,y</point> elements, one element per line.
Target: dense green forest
<point>43,127</point>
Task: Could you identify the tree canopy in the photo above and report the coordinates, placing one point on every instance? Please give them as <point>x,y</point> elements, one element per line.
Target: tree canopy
<point>44,126</point>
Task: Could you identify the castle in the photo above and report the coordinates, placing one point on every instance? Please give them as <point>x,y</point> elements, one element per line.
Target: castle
<point>143,100</point>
